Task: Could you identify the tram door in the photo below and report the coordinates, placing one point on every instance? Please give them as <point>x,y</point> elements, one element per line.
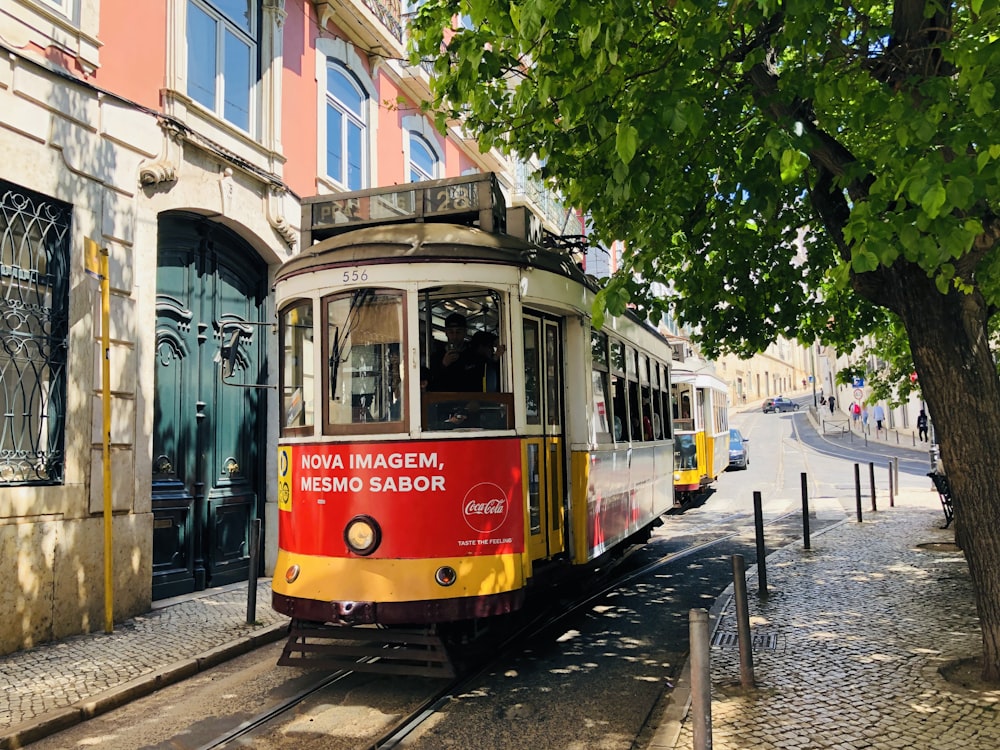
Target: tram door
<point>544,458</point>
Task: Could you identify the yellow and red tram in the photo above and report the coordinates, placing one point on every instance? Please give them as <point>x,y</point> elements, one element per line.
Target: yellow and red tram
<point>411,498</point>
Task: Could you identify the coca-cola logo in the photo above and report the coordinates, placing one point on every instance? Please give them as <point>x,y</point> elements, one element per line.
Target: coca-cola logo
<point>485,507</point>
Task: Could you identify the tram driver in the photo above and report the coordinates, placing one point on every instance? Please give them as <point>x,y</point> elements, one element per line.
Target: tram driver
<point>455,365</point>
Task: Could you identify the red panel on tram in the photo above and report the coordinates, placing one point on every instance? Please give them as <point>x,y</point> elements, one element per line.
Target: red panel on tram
<point>430,499</point>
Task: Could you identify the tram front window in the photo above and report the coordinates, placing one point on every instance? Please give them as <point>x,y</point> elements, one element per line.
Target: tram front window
<point>366,367</point>
<point>460,334</point>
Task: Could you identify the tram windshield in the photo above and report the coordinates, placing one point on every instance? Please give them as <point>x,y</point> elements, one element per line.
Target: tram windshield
<point>462,340</point>
<point>364,330</point>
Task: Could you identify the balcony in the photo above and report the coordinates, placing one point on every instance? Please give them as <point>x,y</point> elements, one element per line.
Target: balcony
<point>375,25</point>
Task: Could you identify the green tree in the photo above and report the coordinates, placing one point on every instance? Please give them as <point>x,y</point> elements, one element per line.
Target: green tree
<point>789,168</point>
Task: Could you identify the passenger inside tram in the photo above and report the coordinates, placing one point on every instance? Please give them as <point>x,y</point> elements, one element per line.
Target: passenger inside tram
<point>464,358</point>
<point>454,362</point>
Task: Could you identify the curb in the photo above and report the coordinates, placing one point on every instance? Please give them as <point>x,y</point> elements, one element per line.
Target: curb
<point>61,719</point>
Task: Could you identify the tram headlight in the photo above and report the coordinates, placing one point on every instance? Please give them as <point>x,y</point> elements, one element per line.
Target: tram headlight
<point>362,535</point>
<point>445,575</point>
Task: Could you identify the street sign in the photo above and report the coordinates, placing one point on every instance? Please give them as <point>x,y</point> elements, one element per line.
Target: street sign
<point>858,382</point>
<point>858,394</point>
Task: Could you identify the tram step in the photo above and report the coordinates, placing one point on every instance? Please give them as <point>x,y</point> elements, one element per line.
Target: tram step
<point>365,649</point>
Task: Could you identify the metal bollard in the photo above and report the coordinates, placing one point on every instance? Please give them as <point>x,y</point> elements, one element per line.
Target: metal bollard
<point>805,511</point>
<point>758,522</point>
<point>701,680</point>
<point>871,479</point>
<point>895,471</point>
<point>857,488</point>
<point>892,503</point>
<point>252,579</point>
<point>743,623</point>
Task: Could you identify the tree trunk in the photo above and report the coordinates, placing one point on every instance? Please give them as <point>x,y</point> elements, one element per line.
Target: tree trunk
<point>958,378</point>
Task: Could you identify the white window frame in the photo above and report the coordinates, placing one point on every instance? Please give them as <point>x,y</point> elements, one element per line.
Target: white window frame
<point>414,125</point>
<point>253,41</point>
<point>69,25</point>
<point>338,52</point>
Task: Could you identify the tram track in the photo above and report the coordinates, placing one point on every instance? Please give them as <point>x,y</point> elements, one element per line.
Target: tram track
<point>424,709</point>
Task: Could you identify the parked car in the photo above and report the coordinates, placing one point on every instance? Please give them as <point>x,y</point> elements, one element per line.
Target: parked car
<point>739,451</point>
<point>779,403</point>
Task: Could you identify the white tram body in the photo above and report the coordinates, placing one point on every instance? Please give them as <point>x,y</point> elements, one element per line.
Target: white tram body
<point>400,505</point>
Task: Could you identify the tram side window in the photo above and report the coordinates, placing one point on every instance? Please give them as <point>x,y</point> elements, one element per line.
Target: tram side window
<point>663,400</point>
<point>635,411</point>
<point>298,380</point>
<point>599,376</point>
<point>653,396</point>
<point>619,392</point>
<point>646,399</point>
<point>365,356</point>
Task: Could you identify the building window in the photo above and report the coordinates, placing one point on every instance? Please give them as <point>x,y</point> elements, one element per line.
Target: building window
<point>346,128</point>
<point>222,42</point>
<point>34,308</point>
<point>420,150</point>
<point>423,161</point>
<point>66,7</point>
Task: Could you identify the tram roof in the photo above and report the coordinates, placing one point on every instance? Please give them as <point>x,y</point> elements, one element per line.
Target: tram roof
<point>422,242</point>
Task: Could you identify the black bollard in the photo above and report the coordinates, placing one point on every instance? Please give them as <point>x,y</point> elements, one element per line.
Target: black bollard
<point>758,522</point>
<point>871,479</point>
<point>857,488</point>
<point>805,511</point>
<point>252,580</point>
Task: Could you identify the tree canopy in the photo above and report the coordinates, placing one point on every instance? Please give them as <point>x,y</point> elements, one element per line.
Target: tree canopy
<point>762,156</point>
<point>810,169</point>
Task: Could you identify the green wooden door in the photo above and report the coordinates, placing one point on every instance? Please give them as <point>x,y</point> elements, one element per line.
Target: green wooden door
<point>207,436</point>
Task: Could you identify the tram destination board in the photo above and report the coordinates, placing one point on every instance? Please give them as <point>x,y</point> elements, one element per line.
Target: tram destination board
<point>475,200</point>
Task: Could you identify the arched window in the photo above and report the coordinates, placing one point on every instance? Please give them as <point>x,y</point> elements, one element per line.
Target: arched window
<point>346,128</point>
<point>421,150</point>
<point>423,160</point>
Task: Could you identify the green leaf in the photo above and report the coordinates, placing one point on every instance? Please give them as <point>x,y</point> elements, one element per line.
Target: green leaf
<point>626,140</point>
<point>863,261</point>
<point>793,163</point>
<point>588,35</point>
<point>934,200</point>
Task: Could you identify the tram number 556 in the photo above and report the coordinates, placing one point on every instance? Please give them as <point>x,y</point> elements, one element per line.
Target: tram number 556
<point>355,275</point>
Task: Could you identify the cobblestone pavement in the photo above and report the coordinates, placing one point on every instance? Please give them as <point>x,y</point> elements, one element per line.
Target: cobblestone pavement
<point>57,684</point>
<point>849,644</point>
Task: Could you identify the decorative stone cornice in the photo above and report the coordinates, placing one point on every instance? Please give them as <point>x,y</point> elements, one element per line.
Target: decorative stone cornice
<point>164,168</point>
<point>274,210</point>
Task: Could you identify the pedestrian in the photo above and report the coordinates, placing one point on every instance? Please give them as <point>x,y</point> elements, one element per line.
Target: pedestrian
<point>832,402</point>
<point>855,412</point>
<point>879,416</point>
<point>922,425</point>
<point>864,418</point>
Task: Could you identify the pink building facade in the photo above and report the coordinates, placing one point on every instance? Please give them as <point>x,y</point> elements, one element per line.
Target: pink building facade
<point>179,136</point>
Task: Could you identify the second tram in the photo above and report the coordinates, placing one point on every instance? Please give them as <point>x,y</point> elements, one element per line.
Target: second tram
<point>701,431</point>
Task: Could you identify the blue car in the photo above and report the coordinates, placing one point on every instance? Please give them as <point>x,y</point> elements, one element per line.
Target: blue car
<point>739,452</point>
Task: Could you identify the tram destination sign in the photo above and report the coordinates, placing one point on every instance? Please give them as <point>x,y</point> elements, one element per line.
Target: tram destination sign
<point>475,200</point>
